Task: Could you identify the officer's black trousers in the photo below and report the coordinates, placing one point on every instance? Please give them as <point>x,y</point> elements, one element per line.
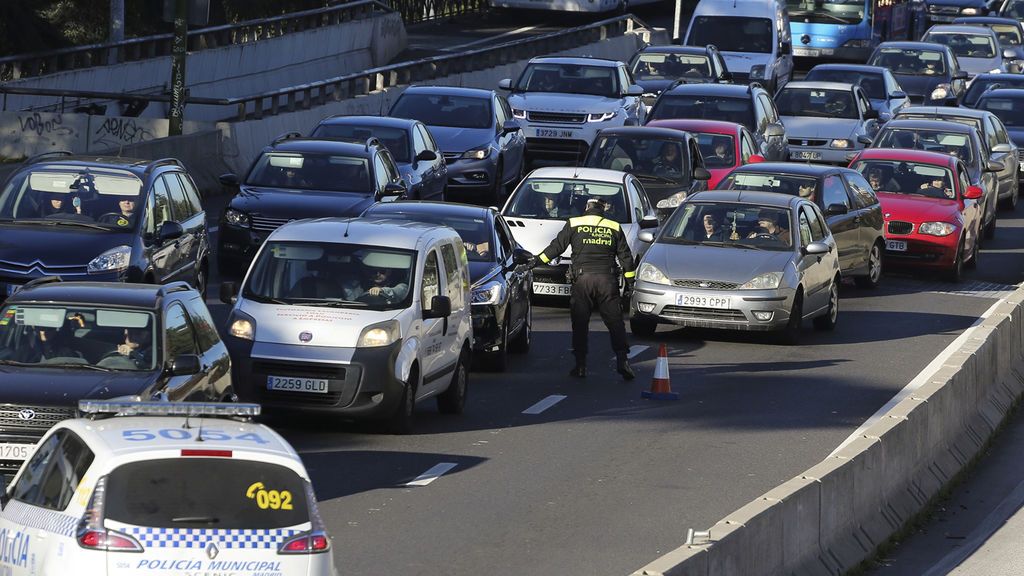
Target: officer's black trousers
<point>600,291</point>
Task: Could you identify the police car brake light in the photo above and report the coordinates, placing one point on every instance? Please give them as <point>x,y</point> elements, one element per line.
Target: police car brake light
<point>312,542</point>
<point>91,533</point>
<point>207,453</point>
<point>128,408</point>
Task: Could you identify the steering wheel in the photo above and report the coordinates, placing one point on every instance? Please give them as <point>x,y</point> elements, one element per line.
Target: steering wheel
<point>113,218</point>
<point>132,358</point>
<point>373,299</point>
<point>764,236</point>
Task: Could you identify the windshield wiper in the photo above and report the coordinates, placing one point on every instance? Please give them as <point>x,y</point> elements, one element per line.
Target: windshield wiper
<point>264,299</point>
<point>74,365</point>
<point>17,363</point>
<point>329,302</point>
<point>73,223</point>
<point>803,13</point>
<point>657,178</point>
<point>196,520</point>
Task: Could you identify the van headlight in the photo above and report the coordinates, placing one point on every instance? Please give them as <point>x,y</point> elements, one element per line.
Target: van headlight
<point>489,293</point>
<point>600,117</point>
<point>113,260</point>
<point>936,228</point>
<point>768,281</point>
<point>757,72</point>
<point>841,143</point>
<point>651,273</point>
<point>380,334</point>
<point>242,326</point>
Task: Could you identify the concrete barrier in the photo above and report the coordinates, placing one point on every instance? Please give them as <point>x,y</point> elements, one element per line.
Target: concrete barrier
<point>837,513</point>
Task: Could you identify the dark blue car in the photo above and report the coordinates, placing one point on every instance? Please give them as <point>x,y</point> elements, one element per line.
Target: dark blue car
<point>927,72</point>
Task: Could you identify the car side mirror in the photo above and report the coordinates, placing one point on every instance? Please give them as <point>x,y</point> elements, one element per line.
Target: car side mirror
<point>995,166</point>
<point>634,90</point>
<point>229,293</point>
<point>865,139</point>
<point>440,307</point>
<point>169,230</point>
<point>897,95</point>
<point>228,179</point>
<point>645,236</point>
<point>701,173</point>
<point>185,365</point>
<point>973,193</point>
<point>648,222</point>
<point>505,84</point>
<point>817,248</point>
<point>510,126</point>
<point>871,114</point>
<point>755,159</point>
<point>521,257</point>
<point>1002,148</point>
<point>785,48</point>
<point>774,130</point>
<point>836,210</point>
<point>426,156</point>
<point>392,191</point>
<point>960,75</point>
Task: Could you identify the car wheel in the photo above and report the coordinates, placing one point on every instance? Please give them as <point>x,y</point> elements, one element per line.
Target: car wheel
<point>956,273</point>
<point>827,322</point>
<point>1010,204</point>
<point>790,334</point>
<point>453,400</point>
<point>498,188</point>
<point>497,361</point>
<point>643,327</point>
<point>874,275</point>
<point>521,343</point>
<point>401,421</point>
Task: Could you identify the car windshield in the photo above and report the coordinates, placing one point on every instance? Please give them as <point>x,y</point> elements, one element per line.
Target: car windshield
<point>964,45</point>
<point>910,61</point>
<point>982,85</point>
<point>827,11</point>
<point>732,33</point>
<point>674,106</point>
<point>78,337</point>
<point>670,66</point>
<point>474,230</point>
<point>302,171</point>
<point>873,84</point>
<point>729,225</point>
<point>561,199</point>
<point>899,177</point>
<point>652,160</point>
<point>396,140</point>
<point>332,274</point>
<point>445,110</point>
<point>954,144</point>
<point>816,103</point>
<point>570,79</point>
<point>197,493</point>
<point>718,150</point>
<point>92,197</point>
<point>965,120</point>
<point>1009,110</point>
<point>1008,35</point>
<point>803,186</point>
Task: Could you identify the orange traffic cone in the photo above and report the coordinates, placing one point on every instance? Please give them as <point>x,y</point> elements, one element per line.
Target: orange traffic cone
<point>661,388</point>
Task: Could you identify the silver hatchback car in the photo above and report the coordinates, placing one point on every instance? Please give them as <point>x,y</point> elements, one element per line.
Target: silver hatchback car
<point>739,260</point>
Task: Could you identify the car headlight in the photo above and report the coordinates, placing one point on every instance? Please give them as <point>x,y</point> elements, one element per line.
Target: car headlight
<point>969,11</point>
<point>672,201</point>
<point>767,281</point>
<point>941,91</point>
<point>840,143</point>
<point>996,71</point>
<point>236,218</point>
<point>477,153</point>
<point>600,116</point>
<point>937,228</point>
<point>650,273</point>
<point>489,293</point>
<point>113,260</point>
<point>757,72</point>
<point>379,334</point>
<point>242,326</point>
<point>519,114</point>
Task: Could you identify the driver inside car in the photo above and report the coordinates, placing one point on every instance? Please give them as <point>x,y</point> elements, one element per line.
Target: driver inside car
<point>768,226</point>
<point>377,282</point>
<point>137,346</point>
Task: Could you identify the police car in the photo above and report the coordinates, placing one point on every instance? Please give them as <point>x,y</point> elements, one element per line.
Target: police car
<point>162,488</point>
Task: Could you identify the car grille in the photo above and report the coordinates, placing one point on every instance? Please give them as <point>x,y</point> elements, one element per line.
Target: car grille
<point>807,142</point>
<point>564,147</point>
<point>37,268</point>
<point>701,313</point>
<point>943,9</point>
<point>898,227</point>
<point>323,371</point>
<point>557,117</point>
<point>341,391</point>
<point>705,284</point>
<point>261,224</point>
<point>14,420</point>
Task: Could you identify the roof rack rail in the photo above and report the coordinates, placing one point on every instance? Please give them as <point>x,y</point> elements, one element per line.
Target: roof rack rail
<point>163,162</point>
<point>285,136</point>
<point>172,287</point>
<point>39,157</point>
<point>372,141</point>
<point>42,280</point>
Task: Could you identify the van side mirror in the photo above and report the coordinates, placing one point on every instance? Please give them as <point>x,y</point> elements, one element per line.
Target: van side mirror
<point>440,307</point>
<point>170,230</point>
<point>1002,148</point>
<point>864,138</point>
<point>960,75</point>
<point>510,126</point>
<point>185,365</point>
<point>635,90</point>
<point>229,293</point>
<point>701,173</point>
<point>897,95</point>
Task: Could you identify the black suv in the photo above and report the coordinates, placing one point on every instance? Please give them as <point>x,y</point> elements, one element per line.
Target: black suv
<point>101,219</point>
<point>655,68</point>
<point>61,342</point>
<point>750,105</point>
<point>296,178</point>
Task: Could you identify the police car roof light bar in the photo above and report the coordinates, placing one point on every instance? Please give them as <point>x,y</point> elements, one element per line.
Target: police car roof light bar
<point>205,409</point>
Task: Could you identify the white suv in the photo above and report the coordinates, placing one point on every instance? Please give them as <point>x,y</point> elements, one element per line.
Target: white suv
<point>562,103</point>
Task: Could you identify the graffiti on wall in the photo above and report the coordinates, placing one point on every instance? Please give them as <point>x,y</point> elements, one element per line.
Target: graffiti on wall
<point>44,125</point>
<point>115,132</point>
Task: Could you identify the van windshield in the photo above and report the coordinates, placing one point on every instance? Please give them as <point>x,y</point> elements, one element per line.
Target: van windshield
<point>329,274</point>
<point>732,33</point>
<point>826,11</point>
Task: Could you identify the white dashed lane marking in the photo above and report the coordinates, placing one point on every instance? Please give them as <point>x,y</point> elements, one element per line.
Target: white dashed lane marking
<point>433,474</point>
<point>545,404</point>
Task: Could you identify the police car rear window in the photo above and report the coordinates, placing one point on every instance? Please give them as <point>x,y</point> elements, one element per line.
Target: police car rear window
<point>214,493</point>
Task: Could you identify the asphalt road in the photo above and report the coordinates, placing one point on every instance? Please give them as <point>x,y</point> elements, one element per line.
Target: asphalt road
<point>602,482</point>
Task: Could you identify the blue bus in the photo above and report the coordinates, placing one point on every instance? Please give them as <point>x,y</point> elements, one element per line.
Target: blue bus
<point>847,30</point>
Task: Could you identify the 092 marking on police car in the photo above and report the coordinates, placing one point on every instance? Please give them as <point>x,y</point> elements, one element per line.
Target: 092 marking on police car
<point>269,499</point>
<point>16,451</point>
<point>213,435</point>
<point>316,385</point>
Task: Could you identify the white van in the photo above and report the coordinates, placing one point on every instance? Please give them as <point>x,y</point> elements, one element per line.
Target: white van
<point>752,35</point>
<point>360,318</point>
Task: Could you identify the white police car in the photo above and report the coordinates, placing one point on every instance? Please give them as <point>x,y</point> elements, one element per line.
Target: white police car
<point>162,488</point>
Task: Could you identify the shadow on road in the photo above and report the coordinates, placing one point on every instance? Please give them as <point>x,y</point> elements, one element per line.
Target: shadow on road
<point>339,473</point>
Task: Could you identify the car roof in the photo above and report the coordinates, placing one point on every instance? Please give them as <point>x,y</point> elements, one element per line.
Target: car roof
<point>641,131</point>
<point>921,156</point>
<point>316,145</point>
<point>914,46</point>
<point>100,293</point>
<point>757,197</point>
<point>943,125</point>
<point>849,67</point>
<point>579,60</point>
<point>961,29</point>
<point>386,209</point>
<point>366,231</point>
<point>944,111</point>
<point>383,121</point>
<point>571,173</point>
<point>985,20</point>
<point>793,168</point>
<point>694,125</point>
<point>1003,93</point>
<point>449,90</point>
<point>711,89</point>
<point>811,84</point>
<point>136,166</point>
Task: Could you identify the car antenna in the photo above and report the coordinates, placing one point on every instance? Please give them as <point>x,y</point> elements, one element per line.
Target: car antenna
<point>347,224</point>
<point>199,436</point>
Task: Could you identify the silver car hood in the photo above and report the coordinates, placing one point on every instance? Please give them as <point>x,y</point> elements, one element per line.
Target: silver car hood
<point>334,327</point>
<point>738,265</point>
<point>807,127</point>
<point>569,103</point>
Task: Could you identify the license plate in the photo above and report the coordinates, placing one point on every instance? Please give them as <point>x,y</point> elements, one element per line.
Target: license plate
<point>552,133</point>
<point>555,289</point>
<point>718,302</point>
<point>286,384</point>
<point>805,155</point>
<point>812,52</point>
<point>896,245</point>
<point>16,451</point>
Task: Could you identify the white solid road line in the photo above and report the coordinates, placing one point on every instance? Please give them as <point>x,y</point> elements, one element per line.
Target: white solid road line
<point>545,404</point>
<point>634,351</point>
<point>492,38</point>
<point>433,474</point>
<point>921,378</point>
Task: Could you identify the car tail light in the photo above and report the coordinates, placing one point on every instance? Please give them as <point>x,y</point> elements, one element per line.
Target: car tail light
<point>91,533</point>
<point>312,542</point>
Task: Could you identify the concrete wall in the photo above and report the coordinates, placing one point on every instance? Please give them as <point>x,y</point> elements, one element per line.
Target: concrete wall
<point>836,514</point>
<point>238,70</point>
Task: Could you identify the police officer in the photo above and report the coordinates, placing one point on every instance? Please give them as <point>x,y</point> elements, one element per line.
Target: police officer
<point>596,243</point>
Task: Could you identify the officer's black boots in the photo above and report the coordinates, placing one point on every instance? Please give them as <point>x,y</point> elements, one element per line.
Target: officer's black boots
<point>580,369</point>
<point>622,365</point>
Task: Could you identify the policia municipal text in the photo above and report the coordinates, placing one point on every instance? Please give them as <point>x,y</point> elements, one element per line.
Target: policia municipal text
<point>596,244</point>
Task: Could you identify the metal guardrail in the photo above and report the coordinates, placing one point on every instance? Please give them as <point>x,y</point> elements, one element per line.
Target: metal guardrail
<point>78,57</point>
<point>414,11</point>
<point>362,83</point>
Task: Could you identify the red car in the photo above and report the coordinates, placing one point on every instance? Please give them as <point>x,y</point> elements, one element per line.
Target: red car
<point>724,145</point>
<point>932,213</point>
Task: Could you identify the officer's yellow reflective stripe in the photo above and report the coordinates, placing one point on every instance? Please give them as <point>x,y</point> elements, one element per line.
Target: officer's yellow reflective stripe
<point>544,258</point>
<point>609,224</point>
<point>629,274</point>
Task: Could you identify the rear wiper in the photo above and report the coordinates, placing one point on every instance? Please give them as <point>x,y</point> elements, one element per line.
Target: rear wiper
<point>196,520</point>
<point>74,365</point>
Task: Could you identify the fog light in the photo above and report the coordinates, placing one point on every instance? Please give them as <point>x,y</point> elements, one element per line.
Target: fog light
<point>478,176</point>
<point>645,307</point>
<point>763,316</point>
<point>376,398</point>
